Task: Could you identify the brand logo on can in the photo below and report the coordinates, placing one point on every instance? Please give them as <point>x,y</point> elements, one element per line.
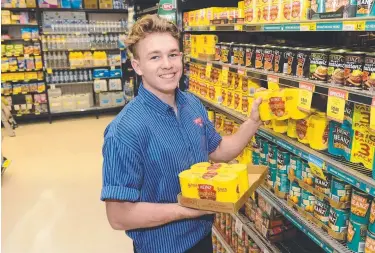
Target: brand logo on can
<point>167,7</point>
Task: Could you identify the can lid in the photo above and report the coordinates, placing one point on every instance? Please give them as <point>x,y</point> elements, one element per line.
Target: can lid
<point>370,54</point>
<point>322,49</point>
<point>357,53</point>
<point>340,50</point>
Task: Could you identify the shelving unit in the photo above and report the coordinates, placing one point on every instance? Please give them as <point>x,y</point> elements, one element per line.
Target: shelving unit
<point>221,240</point>
<point>356,96</point>
<point>325,25</point>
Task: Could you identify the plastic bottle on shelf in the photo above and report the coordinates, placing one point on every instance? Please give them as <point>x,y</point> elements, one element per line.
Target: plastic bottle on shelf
<point>44,42</point>
<point>90,75</point>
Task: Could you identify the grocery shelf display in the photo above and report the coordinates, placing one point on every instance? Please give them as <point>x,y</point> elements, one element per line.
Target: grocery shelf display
<point>69,50</point>
<point>318,94</point>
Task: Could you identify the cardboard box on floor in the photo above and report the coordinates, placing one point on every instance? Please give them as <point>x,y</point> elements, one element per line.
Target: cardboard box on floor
<point>257,175</point>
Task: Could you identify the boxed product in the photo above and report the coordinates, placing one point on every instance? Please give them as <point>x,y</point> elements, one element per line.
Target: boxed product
<point>5,17</point>
<point>105,4</point>
<point>105,99</point>
<point>333,9</point>
<point>114,84</point>
<point>115,73</point>
<point>91,4</point>
<point>203,186</point>
<point>118,98</point>
<point>99,73</point>
<point>69,102</point>
<point>100,85</point>
<point>84,100</point>
<point>48,3</point>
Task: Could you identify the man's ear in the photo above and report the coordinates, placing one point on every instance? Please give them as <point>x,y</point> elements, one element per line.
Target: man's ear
<point>135,65</point>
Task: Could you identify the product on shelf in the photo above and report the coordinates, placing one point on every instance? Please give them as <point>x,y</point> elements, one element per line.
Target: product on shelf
<point>73,24</point>
<point>8,17</point>
<point>319,64</point>
<point>18,4</point>
<point>368,81</point>
<point>332,9</point>
<point>360,207</point>
<point>353,71</point>
<point>356,236</point>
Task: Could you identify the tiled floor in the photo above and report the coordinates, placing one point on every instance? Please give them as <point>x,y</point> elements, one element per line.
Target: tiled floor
<point>51,191</point>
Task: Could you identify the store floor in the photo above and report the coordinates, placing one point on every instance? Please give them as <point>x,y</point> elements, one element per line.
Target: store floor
<point>51,190</point>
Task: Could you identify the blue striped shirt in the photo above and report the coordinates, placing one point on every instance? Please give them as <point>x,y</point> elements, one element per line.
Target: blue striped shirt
<point>145,148</point>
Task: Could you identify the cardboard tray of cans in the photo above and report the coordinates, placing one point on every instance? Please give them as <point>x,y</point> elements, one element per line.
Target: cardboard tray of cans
<point>319,195</point>
<point>257,175</point>
<point>310,217</point>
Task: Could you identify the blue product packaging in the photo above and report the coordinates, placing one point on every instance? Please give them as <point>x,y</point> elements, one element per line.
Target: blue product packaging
<point>100,73</point>
<point>66,4</point>
<point>115,73</point>
<point>76,4</point>
<point>340,139</point>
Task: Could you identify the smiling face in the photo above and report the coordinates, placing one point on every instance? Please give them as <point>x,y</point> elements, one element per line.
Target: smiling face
<point>159,62</point>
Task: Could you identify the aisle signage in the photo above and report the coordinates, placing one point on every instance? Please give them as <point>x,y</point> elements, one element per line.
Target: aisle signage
<point>292,27</point>
<point>308,27</point>
<point>273,27</point>
<point>238,227</point>
<point>305,96</point>
<point>336,104</point>
<point>354,25</point>
<point>372,115</point>
<point>331,26</point>
<point>208,69</point>
<point>370,25</point>
<point>273,82</point>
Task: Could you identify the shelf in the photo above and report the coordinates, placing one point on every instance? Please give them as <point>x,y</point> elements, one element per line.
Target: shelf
<point>30,115</point>
<point>356,96</point>
<point>220,239</point>
<point>20,25</point>
<point>79,33</point>
<point>5,55</point>
<point>315,233</point>
<point>22,71</point>
<point>74,68</point>
<point>18,39</point>
<point>119,11</point>
<point>18,9</point>
<point>83,49</point>
<point>23,81</point>
<point>250,229</point>
<point>351,173</point>
<point>349,24</point>
<point>92,109</point>
<point>148,10</point>
<point>75,83</point>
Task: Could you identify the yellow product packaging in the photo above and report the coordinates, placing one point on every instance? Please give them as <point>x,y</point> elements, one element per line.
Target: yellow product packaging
<point>318,131</point>
<point>227,187</point>
<point>253,85</point>
<point>189,181</point>
<point>38,62</point>
<point>235,128</point>
<point>286,9</point>
<point>280,126</point>
<point>216,76</point>
<point>241,171</point>
<point>31,75</point>
<point>209,40</point>
<point>200,167</point>
<point>292,95</point>
<point>264,108</point>
<point>245,86</point>
<point>300,10</point>
<point>224,96</point>
<point>237,83</point>
<point>18,49</point>
<point>292,128</point>
<point>250,11</point>
<point>277,102</point>
<point>268,124</point>
<point>237,102</point>
<point>275,11</point>
<point>214,93</point>
<point>363,148</point>
<point>230,98</point>
<point>245,104</point>
<point>219,122</point>
<point>231,80</point>
<point>4,64</point>
<point>361,117</point>
<point>302,126</point>
<point>246,158</point>
<point>191,18</point>
<point>228,126</point>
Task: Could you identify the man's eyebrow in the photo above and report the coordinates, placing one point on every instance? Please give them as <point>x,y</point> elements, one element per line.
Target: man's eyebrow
<point>154,52</point>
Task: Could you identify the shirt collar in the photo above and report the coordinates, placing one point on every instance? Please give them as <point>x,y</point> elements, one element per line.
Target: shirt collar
<point>156,103</point>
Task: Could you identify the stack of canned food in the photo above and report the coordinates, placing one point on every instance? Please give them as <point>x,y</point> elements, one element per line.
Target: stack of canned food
<point>239,243</point>
<point>352,68</point>
<point>358,221</point>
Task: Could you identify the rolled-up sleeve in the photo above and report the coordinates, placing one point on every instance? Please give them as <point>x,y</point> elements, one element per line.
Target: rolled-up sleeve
<point>122,171</point>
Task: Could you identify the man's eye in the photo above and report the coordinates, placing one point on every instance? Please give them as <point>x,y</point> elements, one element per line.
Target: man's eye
<point>173,55</point>
<point>154,57</point>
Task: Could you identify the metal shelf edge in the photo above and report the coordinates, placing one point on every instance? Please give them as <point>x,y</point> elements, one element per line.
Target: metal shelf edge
<point>221,240</point>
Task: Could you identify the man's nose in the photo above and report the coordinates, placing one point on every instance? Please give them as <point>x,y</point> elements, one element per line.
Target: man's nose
<point>167,63</point>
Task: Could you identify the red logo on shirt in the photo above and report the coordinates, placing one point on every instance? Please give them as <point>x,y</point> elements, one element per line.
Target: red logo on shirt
<point>198,121</point>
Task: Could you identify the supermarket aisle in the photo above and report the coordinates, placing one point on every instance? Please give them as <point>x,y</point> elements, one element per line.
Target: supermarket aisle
<point>50,192</point>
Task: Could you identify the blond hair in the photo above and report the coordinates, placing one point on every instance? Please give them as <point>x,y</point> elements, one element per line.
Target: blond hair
<point>146,25</point>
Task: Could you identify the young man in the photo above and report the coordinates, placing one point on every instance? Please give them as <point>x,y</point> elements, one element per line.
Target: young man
<point>162,132</point>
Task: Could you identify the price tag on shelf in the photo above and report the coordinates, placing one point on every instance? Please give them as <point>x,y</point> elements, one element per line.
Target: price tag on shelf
<point>113,67</point>
<point>212,28</point>
<point>354,25</point>
<point>238,27</point>
<point>317,171</point>
<point>49,71</point>
<point>104,32</point>
<point>224,74</point>
<point>241,71</point>
<point>336,104</point>
<point>305,96</point>
<point>72,67</point>
<point>93,49</point>
<point>273,82</point>
<point>26,55</point>
<point>372,115</point>
<point>238,227</point>
<point>37,113</point>
<point>53,86</point>
<point>208,69</point>
<point>308,27</point>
